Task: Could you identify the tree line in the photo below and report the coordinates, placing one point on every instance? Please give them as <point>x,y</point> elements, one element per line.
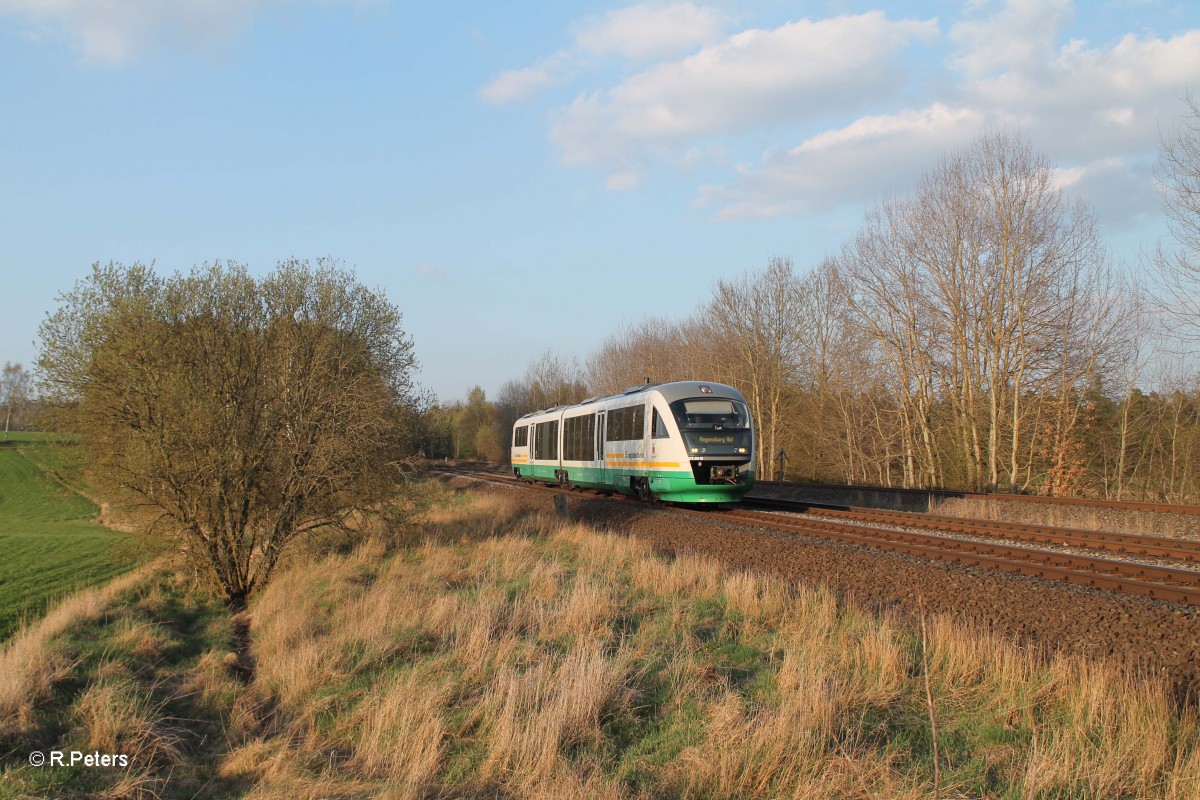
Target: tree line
<point>974,333</point>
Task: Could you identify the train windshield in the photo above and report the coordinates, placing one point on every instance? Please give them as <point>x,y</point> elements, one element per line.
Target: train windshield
<point>711,414</point>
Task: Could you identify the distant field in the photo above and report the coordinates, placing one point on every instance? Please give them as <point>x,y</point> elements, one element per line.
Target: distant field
<point>50,542</point>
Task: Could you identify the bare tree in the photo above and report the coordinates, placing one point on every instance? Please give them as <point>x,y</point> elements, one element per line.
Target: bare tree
<point>553,381</point>
<point>15,386</point>
<point>548,381</point>
<point>651,349</point>
<point>982,288</point>
<point>1047,292</point>
<point>245,412</point>
<point>1178,269</point>
<point>756,324</point>
<point>834,380</point>
<point>889,296</point>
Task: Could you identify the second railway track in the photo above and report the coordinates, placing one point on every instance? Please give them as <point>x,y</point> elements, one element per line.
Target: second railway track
<point>1128,544</point>
<point>1127,577</point>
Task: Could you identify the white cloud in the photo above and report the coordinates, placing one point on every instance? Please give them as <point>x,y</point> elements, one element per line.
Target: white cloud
<point>936,121</point>
<point>851,164</point>
<point>1119,116</point>
<point>803,70</point>
<point>1068,177</point>
<point>643,31</point>
<point>118,30</point>
<point>623,181</point>
<point>1121,191</point>
<point>649,30</point>
<point>871,101</point>
<point>1082,76</point>
<point>1095,109</point>
<point>1020,35</point>
<point>518,84</point>
<point>1091,102</point>
<point>431,271</point>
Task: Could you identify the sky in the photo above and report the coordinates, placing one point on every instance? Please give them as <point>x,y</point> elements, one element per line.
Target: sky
<point>518,177</point>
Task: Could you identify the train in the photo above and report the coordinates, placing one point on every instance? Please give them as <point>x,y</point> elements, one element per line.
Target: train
<point>678,442</point>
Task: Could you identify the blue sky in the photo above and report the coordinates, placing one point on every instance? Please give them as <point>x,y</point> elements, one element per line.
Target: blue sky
<point>517,177</point>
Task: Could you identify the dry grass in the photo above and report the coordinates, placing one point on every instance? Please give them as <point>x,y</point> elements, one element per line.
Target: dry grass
<point>399,734</point>
<point>115,672</point>
<point>118,716</point>
<point>511,655</point>
<point>533,716</point>
<point>31,663</point>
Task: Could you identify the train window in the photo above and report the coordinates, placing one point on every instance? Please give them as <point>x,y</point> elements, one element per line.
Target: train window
<point>616,425</point>
<point>521,436</point>
<point>545,441</point>
<point>711,414</point>
<point>626,424</point>
<point>579,438</point>
<point>660,427</point>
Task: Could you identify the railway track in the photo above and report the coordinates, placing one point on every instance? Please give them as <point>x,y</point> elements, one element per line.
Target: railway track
<point>892,531</point>
<point>1030,499</point>
<point>1115,505</point>
<point>1127,577</point>
<point>1127,544</point>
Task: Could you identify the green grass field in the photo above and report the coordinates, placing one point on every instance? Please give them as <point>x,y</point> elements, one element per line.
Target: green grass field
<point>50,543</point>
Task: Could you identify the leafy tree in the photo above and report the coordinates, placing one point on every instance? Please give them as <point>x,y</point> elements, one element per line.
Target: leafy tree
<point>245,412</point>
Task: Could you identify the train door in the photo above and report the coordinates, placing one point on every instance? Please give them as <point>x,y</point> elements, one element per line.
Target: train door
<point>602,475</point>
<point>533,450</point>
<point>520,449</point>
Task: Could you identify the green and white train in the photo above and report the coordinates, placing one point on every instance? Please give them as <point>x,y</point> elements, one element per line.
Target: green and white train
<point>682,442</point>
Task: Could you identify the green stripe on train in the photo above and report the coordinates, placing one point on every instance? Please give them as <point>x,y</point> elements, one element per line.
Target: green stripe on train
<point>670,485</point>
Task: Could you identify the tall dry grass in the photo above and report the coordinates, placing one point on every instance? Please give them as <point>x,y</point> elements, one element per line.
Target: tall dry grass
<point>118,716</point>
<point>114,671</point>
<point>31,663</point>
<point>519,656</point>
<point>505,654</point>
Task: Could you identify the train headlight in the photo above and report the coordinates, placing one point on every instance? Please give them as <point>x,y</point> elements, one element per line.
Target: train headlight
<point>695,449</point>
<point>741,450</point>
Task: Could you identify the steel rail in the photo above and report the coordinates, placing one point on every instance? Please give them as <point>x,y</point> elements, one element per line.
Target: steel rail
<point>1114,505</point>
<point>1160,583</point>
<point>1134,544</point>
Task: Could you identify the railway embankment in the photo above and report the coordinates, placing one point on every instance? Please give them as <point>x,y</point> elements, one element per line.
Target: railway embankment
<point>1146,636</point>
<point>493,647</point>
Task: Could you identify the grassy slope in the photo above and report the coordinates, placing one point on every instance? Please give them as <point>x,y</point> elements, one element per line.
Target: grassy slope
<point>510,655</point>
<point>132,668</point>
<point>50,541</point>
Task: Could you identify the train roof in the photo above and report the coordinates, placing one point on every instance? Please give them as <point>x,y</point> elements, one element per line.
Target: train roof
<point>676,390</point>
